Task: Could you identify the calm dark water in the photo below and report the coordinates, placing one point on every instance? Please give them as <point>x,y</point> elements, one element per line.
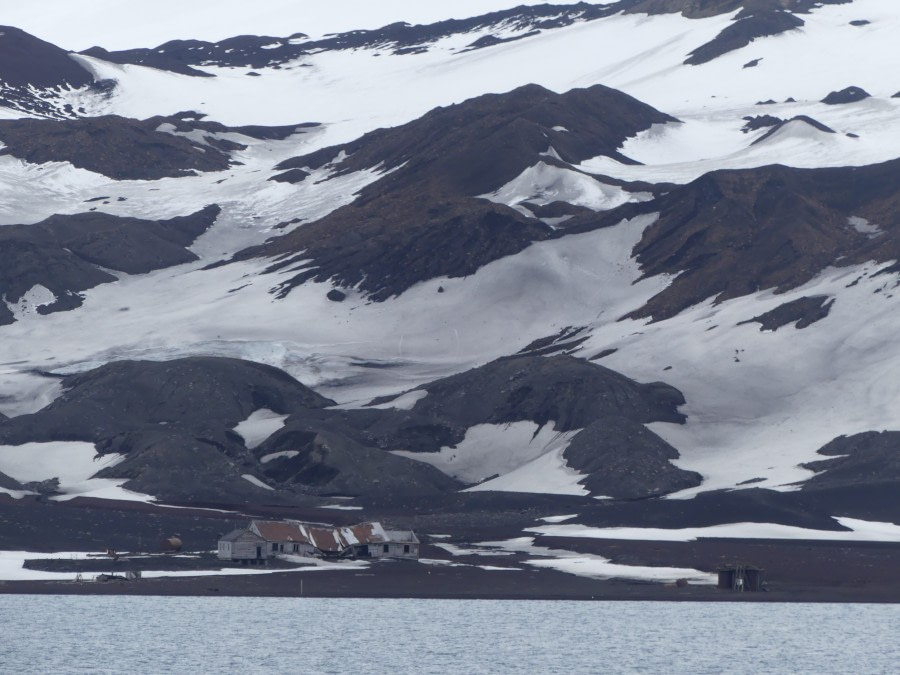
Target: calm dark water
<point>79,634</point>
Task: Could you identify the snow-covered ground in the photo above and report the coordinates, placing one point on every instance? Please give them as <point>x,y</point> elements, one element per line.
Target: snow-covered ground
<point>115,25</point>
<point>75,464</point>
<point>759,404</point>
<point>588,565</point>
<point>857,530</point>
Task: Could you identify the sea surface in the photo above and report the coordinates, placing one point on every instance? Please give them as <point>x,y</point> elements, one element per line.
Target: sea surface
<point>83,634</point>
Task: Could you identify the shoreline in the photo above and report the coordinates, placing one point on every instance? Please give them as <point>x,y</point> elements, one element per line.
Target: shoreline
<point>414,582</point>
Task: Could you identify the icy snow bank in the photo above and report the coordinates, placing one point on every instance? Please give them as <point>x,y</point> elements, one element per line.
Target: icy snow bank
<point>860,530</point>
<point>259,426</point>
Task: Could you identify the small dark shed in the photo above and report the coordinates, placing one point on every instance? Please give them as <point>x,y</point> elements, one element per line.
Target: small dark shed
<point>741,578</point>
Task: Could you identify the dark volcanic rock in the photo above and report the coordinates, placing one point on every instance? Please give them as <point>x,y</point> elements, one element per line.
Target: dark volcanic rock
<point>868,459</point>
<point>626,461</point>
<point>8,483</point>
<point>386,246</point>
<point>114,146</point>
<point>63,252</point>
<point>701,9</point>
<point>420,221</point>
<point>801,312</point>
<point>197,394</point>
<point>848,95</point>
<point>292,176</point>
<point>330,463</point>
<point>815,124</point>
<point>731,233</point>
<point>34,76</point>
<point>259,51</point>
<point>173,421</point>
<point>742,32</point>
<point>755,122</point>
<point>477,146</point>
<point>26,60</point>
<point>565,390</point>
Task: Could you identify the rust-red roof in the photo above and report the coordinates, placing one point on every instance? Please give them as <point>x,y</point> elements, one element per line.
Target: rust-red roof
<point>273,530</point>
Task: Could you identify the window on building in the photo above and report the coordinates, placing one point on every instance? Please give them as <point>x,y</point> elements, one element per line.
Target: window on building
<point>274,547</point>
<point>387,548</point>
<point>296,548</point>
<point>406,548</point>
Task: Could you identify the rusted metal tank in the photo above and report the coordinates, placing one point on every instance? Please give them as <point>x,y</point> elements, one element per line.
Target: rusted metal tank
<point>171,544</point>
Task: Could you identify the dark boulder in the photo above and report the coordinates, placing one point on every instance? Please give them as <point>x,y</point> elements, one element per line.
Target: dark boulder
<point>848,95</point>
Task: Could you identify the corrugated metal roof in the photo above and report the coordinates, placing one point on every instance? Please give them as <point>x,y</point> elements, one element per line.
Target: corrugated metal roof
<point>330,539</point>
<point>275,530</point>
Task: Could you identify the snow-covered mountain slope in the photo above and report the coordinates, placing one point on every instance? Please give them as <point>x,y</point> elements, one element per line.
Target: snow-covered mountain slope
<point>444,230</point>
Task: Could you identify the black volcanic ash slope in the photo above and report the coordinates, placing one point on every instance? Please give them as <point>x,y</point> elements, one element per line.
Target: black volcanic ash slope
<point>620,456</point>
<point>33,72</point>
<point>172,420</point>
<point>260,51</point>
<point>129,149</point>
<point>174,423</point>
<point>421,220</point>
<point>731,233</point>
<point>117,147</point>
<point>756,19</point>
<point>64,252</point>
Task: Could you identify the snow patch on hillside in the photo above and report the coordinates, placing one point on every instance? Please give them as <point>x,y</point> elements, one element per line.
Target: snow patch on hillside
<point>34,298</point>
<point>588,565</point>
<point>857,530</point>
<point>496,449</point>
<point>74,463</point>
<point>544,184</point>
<point>259,426</point>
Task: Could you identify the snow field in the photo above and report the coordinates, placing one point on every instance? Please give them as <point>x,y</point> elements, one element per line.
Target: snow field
<point>858,530</point>
<point>73,463</point>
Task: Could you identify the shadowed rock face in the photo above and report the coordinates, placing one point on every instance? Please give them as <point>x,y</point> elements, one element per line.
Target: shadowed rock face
<point>63,252</point>
<point>730,233</point>
<point>196,394</point>
<point>477,146</point>
<point>742,33</point>
<point>330,463</point>
<point>173,420</point>
<point>866,459</point>
<point>386,246</point>
<point>27,60</point>
<point>255,51</point>
<point>626,461</point>
<point>35,75</point>
<point>420,220</point>
<point>114,146</point>
<point>848,95</point>
<point>701,9</point>
<point>174,423</point>
<point>801,312</point>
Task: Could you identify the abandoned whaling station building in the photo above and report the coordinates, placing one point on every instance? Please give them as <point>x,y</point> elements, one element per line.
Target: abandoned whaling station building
<point>741,578</point>
<point>264,539</point>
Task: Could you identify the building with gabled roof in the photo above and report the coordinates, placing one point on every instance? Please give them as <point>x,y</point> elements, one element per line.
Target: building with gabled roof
<point>242,545</point>
<point>291,537</point>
